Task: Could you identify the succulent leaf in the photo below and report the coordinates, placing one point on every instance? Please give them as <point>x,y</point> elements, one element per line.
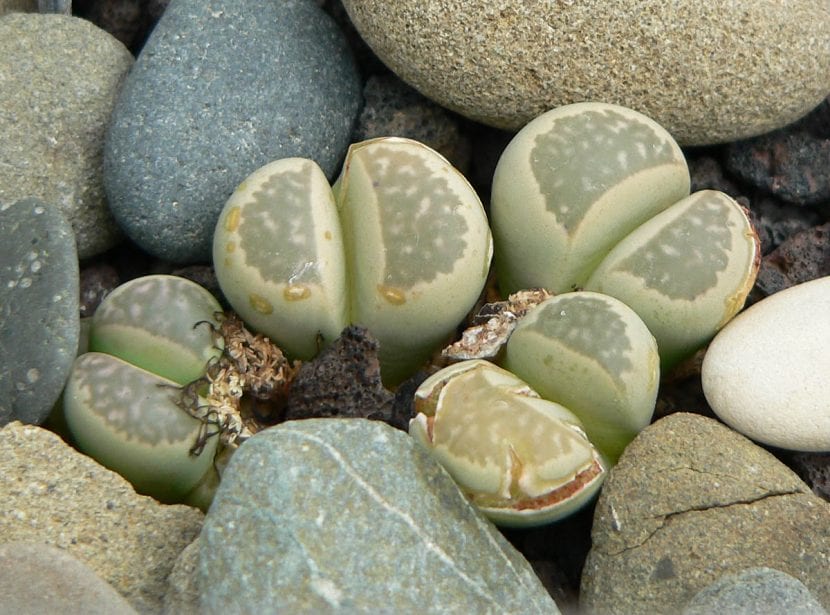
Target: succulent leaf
<point>571,184</point>
<point>593,355</point>
<point>400,245</point>
<point>418,247</point>
<point>128,420</point>
<point>278,255</point>
<point>686,272</point>
<point>521,459</point>
<point>154,322</point>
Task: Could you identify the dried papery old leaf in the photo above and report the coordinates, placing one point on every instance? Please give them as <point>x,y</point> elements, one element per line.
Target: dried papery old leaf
<point>492,326</point>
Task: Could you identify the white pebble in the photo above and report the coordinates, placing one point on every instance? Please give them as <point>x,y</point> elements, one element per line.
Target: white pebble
<point>767,373</point>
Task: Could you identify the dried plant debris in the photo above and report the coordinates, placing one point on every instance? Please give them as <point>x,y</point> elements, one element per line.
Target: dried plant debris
<point>492,326</point>
<point>245,390</point>
<point>342,381</point>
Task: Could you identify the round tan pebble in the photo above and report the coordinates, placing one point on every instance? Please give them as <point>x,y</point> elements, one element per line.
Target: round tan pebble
<point>708,71</point>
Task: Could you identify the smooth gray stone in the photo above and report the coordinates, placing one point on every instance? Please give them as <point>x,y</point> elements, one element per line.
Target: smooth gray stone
<point>38,578</point>
<point>220,89</point>
<point>755,590</point>
<point>39,320</point>
<point>59,79</point>
<point>352,516</point>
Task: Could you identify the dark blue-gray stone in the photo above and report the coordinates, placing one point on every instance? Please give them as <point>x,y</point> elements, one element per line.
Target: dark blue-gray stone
<point>755,590</point>
<point>39,318</point>
<point>221,88</point>
<point>352,516</point>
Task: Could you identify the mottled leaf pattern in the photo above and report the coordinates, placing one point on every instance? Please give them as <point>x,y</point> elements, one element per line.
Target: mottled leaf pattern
<point>588,326</point>
<point>422,231</point>
<point>583,156</point>
<point>683,260</point>
<point>134,403</point>
<point>277,228</point>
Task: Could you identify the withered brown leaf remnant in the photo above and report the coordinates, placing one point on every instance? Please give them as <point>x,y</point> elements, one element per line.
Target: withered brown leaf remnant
<point>492,326</point>
<point>245,390</point>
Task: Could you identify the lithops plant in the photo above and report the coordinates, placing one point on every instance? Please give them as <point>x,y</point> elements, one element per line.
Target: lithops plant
<point>686,272</point>
<point>596,196</point>
<point>400,244</point>
<point>122,402</point>
<point>592,354</point>
<point>520,459</point>
<point>571,184</point>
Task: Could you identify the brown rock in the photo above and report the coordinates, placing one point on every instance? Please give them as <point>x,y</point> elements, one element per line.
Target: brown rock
<point>802,257</point>
<point>690,501</point>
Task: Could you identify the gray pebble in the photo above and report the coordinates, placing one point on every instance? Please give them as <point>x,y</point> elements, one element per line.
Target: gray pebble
<point>352,516</point>
<point>39,319</point>
<point>219,90</point>
<point>753,591</point>
<point>38,578</point>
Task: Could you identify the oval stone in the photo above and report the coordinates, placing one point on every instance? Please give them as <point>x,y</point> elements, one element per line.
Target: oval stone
<point>221,89</point>
<point>766,373</point>
<point>59,81</point>
<point>707,71</point>
<point>40,324</point>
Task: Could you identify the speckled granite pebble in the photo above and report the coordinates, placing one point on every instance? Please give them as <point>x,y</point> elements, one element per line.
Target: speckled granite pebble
<point>753,591</point>
<point>219,90</point>
<point>690,501</point>
<point>39,320</point>
<point>351,516</point>
<point>53,494</point>
<point>59,79</point>
<point>707,71</point>
<point>392,108</point>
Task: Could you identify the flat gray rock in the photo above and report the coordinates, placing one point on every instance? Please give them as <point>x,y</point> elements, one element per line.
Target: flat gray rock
<point>708,71</point>
<point>219,90</point>
<point>350,516</point>
<point>689,502</point>
<point>39,318</point>
<point>38,578</point>
<point>54,495</point>
<point>753,591</point>
<point>59,79</point>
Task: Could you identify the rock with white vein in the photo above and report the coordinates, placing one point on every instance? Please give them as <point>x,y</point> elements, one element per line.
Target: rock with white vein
<point>349,515</point>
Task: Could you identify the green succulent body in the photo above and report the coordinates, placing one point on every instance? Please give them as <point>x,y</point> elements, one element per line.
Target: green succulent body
<point>400,244</point>
<point>571,184</point>
<point>595,196</point>
<point>122,400</point>
<point>592,354</point>
<point>128,420</point>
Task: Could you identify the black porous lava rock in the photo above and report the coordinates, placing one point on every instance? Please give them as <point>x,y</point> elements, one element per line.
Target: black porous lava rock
<point>803,257</point>
<point>794,165</point>
<point>342,381</point>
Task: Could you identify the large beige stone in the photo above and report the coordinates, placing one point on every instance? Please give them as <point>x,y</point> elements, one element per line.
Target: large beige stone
<point>708,71</point>
<point>54,495</point>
